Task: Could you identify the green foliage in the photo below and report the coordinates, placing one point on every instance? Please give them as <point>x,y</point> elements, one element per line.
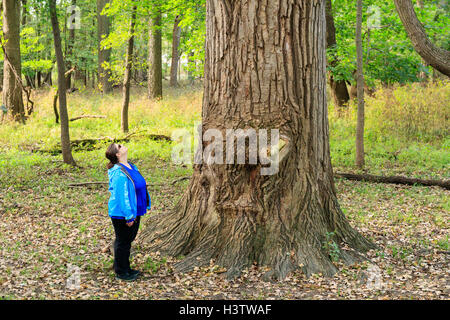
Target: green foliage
<point>32,48</point>
<point>331,247</point>
<point>153,266</point>
<point>388,53</point>
<point>389,56</point>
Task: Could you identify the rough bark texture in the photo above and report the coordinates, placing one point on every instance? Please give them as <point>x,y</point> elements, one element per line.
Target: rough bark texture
<point>155,57</point>
<point>127,75</point>
<point>339,89</point>
<point>103,25</point>
<point>176,34</point>
<point>436,57</point>
<point>12,91</point>
<point>64,118</point>
<point>360,89</point>
<point>265,68</point>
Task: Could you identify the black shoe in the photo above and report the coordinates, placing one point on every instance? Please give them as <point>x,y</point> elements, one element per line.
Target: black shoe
<point>134,272</point>
<point>126,277</point>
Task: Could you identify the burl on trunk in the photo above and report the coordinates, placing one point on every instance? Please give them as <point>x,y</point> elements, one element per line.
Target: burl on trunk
<point>265,68</point>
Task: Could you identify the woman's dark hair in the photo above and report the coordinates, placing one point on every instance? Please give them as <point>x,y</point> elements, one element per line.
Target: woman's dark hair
<point>111,154</point>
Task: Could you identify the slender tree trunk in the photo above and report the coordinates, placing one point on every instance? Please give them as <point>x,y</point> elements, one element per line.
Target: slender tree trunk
<point>93,79</point>
<point>48,78</point>
<point>176,34</point>
<point>24,12</point>
<point>64,118</point>
<point>436,57</point>
<point>190,73</point>
<point>12,91</point>
<point>127,76</point>
<point>38,79</point>
<point>360,89</point>
<point>265,69</point>
<point>338,87</point>
<point>103,26</point>
<point>155,56</point>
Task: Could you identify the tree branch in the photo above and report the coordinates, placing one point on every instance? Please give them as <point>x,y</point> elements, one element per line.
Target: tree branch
<point>436,57</point>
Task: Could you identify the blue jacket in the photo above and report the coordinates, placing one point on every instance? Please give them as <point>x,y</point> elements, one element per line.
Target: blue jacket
<point>123,200</point>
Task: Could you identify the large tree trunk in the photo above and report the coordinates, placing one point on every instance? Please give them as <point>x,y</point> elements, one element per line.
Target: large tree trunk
<point>265,68</point>
<point>12,91</point>
<point>176,34</point>
<point>155,56</point>
<point>103,25</point>
<point>436,57</point>
<point>65,137</point>
<point>127,75</point>
<point>360,89</point>
<point>339,89</point>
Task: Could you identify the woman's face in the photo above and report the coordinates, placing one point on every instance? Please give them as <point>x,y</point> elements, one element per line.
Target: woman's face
<point>122,150</point>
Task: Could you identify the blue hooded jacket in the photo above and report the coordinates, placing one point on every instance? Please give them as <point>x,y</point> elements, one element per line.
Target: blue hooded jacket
<point>123,200</point>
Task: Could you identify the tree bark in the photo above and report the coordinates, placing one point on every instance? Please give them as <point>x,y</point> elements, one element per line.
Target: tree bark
<point>55,107</point>
<point>155,56</point>
<point>127,76</point>
<point>338,87</point>
<point>265,68</point>
<point>12,91</point>
<point>64,118</point>
<point>360,89</point>
<point>24,12</point>
<point>38,79</point>
<point>103,26</point>
<point>176,34</point>
<point>436,57</point>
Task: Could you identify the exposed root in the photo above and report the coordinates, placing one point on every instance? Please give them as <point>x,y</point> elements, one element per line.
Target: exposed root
<point>236,231</point>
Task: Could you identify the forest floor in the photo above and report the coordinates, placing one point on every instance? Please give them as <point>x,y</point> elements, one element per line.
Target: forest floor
<point>51,232</point>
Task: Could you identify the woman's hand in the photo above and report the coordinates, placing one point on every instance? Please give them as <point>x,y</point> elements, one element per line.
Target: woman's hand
<point>130,223</point>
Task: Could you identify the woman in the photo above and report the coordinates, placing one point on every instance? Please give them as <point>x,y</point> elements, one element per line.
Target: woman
<point>128,202</point>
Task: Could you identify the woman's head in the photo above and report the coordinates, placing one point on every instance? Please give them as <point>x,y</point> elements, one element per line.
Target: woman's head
<point>115,153</point>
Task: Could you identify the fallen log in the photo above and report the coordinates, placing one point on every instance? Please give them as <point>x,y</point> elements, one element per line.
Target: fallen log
<point>180,179</point>
<point>87,116</point>
<point>89,144</point>
<point>394,179</point>
<point>75,143</point>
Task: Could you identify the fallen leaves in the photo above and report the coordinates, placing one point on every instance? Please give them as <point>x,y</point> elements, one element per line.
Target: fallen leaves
<point>44,228</point>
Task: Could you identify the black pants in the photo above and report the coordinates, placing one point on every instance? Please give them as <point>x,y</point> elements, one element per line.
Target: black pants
<point>122,245</point>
